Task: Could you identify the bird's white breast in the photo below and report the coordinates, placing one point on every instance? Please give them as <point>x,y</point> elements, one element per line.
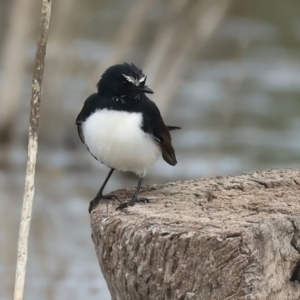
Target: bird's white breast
<point>117,139</point>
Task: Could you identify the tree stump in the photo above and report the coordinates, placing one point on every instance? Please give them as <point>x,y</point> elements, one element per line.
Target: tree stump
<point>233,237</point>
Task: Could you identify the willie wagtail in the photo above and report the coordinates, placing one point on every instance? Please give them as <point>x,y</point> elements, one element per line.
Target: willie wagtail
<point>122,128</point>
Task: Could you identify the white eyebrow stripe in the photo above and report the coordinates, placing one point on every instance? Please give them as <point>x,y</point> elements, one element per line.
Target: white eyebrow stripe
<point>142,79</point>
<point>129,78</point>
<point>133,80</point>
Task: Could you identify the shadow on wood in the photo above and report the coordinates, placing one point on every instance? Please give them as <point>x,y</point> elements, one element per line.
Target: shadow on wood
<point>234,237</point>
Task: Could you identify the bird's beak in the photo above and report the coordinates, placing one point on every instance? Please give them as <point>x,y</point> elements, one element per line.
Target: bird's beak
<point>145,89</point>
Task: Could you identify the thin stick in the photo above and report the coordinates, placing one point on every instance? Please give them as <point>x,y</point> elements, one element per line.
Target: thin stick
<point>32,149</point>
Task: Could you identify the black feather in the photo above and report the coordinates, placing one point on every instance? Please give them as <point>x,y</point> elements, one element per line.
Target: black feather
<point>171,128</point>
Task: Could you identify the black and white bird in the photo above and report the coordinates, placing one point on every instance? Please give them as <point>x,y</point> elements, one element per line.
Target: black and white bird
<point>122,128</point>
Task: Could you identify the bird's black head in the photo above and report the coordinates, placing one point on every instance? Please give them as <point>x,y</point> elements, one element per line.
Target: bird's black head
<point>123,79</point>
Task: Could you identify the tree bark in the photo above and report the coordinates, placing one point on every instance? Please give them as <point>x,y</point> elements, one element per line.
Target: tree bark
<point>233,237</point>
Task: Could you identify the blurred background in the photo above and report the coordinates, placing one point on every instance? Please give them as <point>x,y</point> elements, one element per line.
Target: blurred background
<point>227,72</point>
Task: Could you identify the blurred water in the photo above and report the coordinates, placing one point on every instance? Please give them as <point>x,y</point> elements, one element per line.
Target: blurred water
<point>239,108</point>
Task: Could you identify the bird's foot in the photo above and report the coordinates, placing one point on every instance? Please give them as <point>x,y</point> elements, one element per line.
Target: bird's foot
<point>96,201</point>
<point>132,202</point>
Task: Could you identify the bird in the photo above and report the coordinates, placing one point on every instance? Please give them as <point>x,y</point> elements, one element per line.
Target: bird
<point>123,129</point>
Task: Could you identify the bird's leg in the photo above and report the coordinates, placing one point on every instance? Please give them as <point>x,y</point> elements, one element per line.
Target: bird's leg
<point>100,195</point>
<point>134,198</point>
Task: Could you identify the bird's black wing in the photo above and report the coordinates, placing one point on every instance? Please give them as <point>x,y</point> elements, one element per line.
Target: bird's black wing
<point>154,125</point>
<point>90,105</point>
<point>79,130</point>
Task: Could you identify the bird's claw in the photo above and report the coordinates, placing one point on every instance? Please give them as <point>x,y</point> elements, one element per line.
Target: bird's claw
<point>96,201</point>
<point>131,203</point>
<point>110,197</point>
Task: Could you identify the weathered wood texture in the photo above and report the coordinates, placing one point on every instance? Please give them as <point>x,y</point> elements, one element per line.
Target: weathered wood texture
<point>234,237</point>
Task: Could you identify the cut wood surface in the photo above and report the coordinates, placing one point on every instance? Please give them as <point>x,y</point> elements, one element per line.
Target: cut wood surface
<point>232,237</point>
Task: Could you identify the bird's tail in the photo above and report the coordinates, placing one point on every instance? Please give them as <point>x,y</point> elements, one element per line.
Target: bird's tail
<point>170,128</point>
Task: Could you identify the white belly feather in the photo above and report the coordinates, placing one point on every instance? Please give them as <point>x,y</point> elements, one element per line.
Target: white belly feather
<point>117,139</point>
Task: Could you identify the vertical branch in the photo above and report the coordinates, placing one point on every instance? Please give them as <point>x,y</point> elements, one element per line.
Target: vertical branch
<point>191,25</point>
<point>13,60</point>
<point>32,149</point>
<point>126,36</point>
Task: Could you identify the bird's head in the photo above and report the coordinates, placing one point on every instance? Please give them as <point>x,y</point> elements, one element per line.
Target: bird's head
<point>123,79</point>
